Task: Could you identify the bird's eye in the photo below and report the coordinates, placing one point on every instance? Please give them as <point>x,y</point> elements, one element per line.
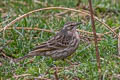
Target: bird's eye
<point>70,28</point>
<point>71,25</point>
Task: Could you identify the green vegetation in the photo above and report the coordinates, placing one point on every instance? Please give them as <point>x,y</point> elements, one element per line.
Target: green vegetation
<point>22,41</point>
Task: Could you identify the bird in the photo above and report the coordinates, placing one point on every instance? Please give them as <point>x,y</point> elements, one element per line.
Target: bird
<point>60,46</point>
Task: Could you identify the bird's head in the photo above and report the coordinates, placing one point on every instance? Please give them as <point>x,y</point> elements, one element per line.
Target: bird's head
<point>70,26</point>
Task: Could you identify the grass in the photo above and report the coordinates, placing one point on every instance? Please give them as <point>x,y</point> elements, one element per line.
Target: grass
<point>22,41</point>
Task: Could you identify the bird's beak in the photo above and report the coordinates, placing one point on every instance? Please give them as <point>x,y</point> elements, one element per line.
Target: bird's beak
<point>78,23</point>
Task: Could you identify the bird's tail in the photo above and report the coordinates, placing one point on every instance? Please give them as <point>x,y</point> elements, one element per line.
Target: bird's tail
<point>30,54</point>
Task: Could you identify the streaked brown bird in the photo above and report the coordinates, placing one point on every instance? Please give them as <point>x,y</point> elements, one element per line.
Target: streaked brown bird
<point>62,45</point>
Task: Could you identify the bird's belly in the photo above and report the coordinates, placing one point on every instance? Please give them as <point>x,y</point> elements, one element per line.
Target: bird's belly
<point>64,53</point>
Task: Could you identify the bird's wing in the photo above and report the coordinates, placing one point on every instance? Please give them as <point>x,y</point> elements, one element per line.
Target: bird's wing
<point>55,43</point>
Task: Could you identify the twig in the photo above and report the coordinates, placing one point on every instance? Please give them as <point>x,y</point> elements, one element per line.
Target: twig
<point>117,76</point>
<point>91,33</point>
<point>0,64</point>
<point>56,74</point>
<point>95,40</point>
<point>119,44</point>
<point>113,30</point>
<point>45,4</point>
<point>5,21</point>
<point>3,53</point>
<point>30,61</point>
<point>41,78</point>
<point>108,27</point>
<point>116,56</point>
<point>4,45</point>
<point>29,28</point>
<point>22,75</point>
<point>62,13</point>
<point>49,8</point>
